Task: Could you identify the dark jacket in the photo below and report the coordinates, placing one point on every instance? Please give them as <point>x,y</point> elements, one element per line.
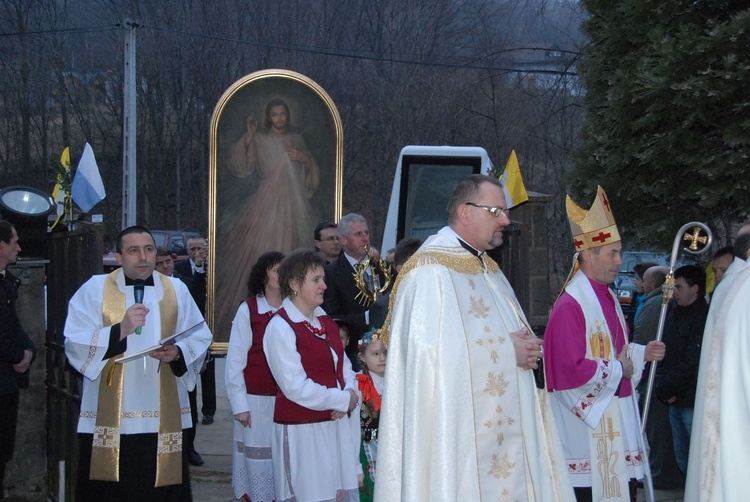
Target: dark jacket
<point>196,283</point>
<point>13,339</point>
<point>677,375</point>
<point>340,298</point>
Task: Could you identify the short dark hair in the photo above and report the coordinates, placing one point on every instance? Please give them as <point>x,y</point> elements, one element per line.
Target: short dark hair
<point>6,231</point>
<point>726,250</point>
<point>321,227</point>
<point>405,249</point>
<point>256,284</point>
<point>344,325</point>
<point>465,190</point>
<point>640,268</point>
<point>162,251</point>
<point>741,246</point>
<point>693,274</point>
<point>135,229</point>
<point>295,267</point>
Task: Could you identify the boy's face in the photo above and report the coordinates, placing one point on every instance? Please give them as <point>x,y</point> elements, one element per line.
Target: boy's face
<point>344,334</point>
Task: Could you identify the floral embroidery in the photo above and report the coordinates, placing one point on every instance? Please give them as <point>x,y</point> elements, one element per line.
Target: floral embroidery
<point>501,467</point>
<point>588,399</point>
<point>496,384</point>
<point>478,308</point>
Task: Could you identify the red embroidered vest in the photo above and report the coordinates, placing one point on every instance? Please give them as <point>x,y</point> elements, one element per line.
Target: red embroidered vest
<point>258,377</point>
<point>317,361</point>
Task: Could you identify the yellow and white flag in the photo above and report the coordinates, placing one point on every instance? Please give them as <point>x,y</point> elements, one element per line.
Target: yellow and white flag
<point>515,191</point>
<point>58,194</point>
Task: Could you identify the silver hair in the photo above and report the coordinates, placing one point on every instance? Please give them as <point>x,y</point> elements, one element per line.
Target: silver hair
<point>346,221</point>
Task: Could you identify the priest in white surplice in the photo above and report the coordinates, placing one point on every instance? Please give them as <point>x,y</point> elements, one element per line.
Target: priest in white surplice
<point>590,367</point>
<point>133,414</point>
<point>720,441</point>
<point>461,417</point>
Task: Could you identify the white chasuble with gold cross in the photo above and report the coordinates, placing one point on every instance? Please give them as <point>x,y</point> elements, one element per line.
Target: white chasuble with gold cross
<point>460,421</point>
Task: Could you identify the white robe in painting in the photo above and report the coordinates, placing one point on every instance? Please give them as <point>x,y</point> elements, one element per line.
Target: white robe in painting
<point>318,461</point>
<point>87,340</point>
<point>720,441</point>
<point>460,421</point>
<point>252,466</point>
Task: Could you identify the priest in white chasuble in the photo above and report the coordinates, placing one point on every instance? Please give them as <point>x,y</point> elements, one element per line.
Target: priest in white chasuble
<point>720,441</point>
<point>133,414</point>
<point>462,418</point>
<point>591,368</point>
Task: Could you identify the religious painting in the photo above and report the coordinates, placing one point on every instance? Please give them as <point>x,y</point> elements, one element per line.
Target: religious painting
<point>276,153</point>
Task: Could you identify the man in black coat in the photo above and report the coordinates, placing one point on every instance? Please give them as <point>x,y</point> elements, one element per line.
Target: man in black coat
<point>195,268</point>
<point>678,373</point>
<point>16,349</point>
<point>165,265</point>
<point>340,298</point>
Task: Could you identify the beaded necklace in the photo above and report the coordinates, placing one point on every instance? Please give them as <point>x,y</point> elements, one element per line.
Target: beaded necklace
<point>321,332</point>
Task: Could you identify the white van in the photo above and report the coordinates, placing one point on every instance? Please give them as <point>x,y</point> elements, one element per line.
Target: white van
<point>425,178</point>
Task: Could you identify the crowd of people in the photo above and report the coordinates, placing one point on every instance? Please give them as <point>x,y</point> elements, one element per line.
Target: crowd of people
<point>426,393</point>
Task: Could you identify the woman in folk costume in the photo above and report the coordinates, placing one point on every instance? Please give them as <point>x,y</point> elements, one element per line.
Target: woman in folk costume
<point>590,367</point>
<point>372,354</point>
<point>250,385</point>
<point>316,439</point>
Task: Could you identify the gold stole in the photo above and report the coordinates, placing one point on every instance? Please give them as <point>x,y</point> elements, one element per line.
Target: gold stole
<point>105,452</point>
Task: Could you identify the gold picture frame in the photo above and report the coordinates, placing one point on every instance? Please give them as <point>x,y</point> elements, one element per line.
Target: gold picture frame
<point>276,171</point>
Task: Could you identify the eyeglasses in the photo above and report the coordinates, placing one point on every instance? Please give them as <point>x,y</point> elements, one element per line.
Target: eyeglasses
<point>495,211</point>
<point>331,238</point>
<point>197,248</point>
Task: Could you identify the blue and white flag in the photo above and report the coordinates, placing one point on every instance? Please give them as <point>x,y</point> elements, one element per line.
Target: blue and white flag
<point>88,188</point>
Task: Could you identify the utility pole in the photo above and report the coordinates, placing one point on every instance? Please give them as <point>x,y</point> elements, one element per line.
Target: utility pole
<point>129,119</point>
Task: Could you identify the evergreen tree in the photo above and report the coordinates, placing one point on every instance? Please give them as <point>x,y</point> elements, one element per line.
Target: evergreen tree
<point>668,114</point>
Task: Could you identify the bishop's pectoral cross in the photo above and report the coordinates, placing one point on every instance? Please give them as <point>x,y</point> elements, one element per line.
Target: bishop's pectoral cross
<point>607,460</point>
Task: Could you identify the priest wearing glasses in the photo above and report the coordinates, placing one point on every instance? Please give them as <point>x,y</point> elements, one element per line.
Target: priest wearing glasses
<point>133,414</point>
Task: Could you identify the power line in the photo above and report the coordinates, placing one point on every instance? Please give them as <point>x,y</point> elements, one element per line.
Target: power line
<point>410,59</point>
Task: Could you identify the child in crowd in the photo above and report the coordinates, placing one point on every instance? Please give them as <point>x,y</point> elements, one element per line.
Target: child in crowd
<point>372,355</point>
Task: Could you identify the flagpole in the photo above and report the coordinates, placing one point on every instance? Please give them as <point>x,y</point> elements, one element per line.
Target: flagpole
<point>129,186</point>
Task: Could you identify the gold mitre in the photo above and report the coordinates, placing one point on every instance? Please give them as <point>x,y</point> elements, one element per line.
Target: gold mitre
<point>593,228</point>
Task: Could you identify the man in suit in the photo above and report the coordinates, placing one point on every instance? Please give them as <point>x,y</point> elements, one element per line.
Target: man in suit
<point>165,265</point>
<point>327,242</point>
<point>196,267</point>
<point>340,300</point>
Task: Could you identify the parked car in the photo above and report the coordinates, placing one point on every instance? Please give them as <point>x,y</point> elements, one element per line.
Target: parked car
<point>174,240</point>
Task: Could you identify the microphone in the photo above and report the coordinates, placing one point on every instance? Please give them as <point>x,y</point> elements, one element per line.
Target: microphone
<point>138,286</point>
